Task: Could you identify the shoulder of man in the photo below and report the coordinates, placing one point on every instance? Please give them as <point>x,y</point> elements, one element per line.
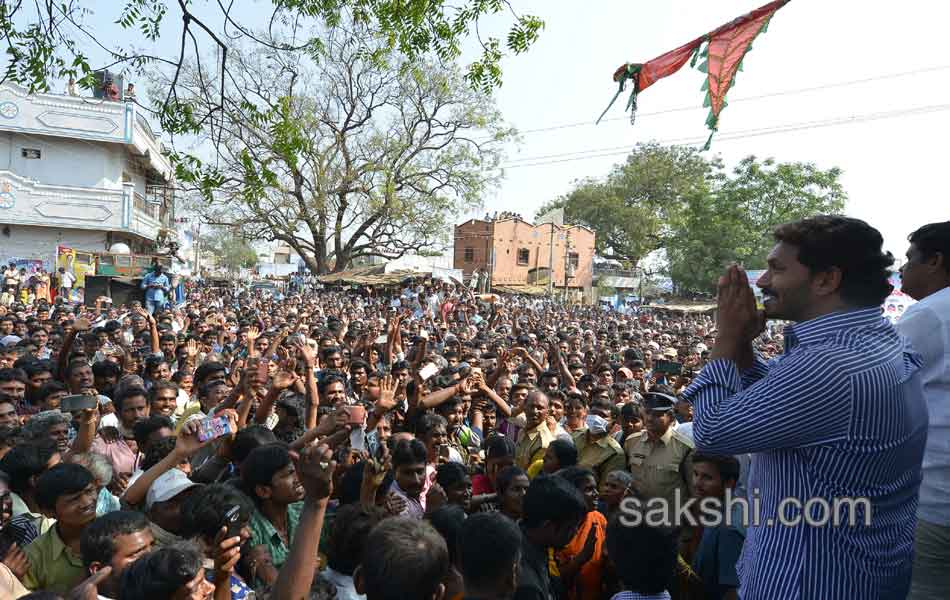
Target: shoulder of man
<point>683,439</point>
<point>635,439</point>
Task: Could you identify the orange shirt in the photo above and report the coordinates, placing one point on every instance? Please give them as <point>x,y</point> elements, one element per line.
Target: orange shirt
<point>587,584</point>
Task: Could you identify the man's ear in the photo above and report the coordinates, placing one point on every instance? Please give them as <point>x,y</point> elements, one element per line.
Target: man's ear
<point>825,283</point>
<point>358,580</point>
<point>262,491</point>
<point>94,567</point>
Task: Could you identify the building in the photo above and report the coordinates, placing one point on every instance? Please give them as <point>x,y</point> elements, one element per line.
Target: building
<point>79,172</point>
<point>515,253</point>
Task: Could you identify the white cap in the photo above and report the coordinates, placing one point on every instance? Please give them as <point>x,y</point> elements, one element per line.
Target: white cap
<point>10,340</point>
<point>168,485</point>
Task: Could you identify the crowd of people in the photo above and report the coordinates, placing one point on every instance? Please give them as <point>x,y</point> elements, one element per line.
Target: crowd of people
<point>431,443</point>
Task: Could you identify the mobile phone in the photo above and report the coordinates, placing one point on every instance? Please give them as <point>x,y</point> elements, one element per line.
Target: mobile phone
<point>669,367</point>
<point>232,522</point>
<point>262,371</point>
<point>444,451</point>
<point>382,339</point>
<point>76,402</point>
<point>356,415</point>
<point>428,371</point>
<point>213,427</point>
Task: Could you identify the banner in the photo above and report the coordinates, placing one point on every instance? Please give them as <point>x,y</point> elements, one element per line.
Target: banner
<point>898,302</point>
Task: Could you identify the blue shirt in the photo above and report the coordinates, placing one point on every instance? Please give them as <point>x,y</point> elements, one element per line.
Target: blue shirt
<point>155,294</point>
<point>840,415</point>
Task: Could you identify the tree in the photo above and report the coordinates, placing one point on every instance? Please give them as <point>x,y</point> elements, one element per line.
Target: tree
<point>635,208</point>
<point>46,41</point>
<point>734,223</point>
<point>673,199</point>
<point>232,251</point>
<point>355,154</point>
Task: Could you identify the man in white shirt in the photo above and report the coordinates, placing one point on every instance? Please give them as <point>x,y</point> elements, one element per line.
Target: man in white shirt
<point>926,277</point>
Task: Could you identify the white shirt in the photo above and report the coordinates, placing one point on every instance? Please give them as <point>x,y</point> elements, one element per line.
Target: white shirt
<point>927,326</point>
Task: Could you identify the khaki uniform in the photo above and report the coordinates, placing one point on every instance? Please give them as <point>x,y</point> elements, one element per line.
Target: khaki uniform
<point>601,456</point>
<point>532,444</point>
<point>660,468</point>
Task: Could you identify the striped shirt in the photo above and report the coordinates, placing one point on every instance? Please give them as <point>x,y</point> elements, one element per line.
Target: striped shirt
<point>840,414</point>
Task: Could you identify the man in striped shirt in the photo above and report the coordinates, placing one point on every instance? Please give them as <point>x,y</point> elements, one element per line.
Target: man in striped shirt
<point>839,417</point>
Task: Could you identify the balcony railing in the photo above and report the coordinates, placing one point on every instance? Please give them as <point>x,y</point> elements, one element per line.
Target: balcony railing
<point>144,206</point>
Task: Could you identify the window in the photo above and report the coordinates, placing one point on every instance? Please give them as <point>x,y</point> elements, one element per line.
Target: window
<point>30,153</point>
<point>469,255</point>
<point>573,260</point>
<point>524,256</point>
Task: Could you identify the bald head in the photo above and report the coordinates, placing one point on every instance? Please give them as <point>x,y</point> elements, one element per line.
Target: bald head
<point>536,408</point>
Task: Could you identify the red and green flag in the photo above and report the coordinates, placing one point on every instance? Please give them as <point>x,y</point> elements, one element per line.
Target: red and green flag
<point>721,51</point>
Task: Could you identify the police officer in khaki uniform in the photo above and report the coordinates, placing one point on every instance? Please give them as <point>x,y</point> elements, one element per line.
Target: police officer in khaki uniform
<point>535,438</point>
<point>659,457</point>
<point>598,450</point>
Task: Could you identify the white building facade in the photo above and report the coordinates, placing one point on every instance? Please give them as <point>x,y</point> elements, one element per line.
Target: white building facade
<point>84,173</point>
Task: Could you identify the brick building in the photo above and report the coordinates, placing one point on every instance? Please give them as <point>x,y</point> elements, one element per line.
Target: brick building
<point>516,253</point>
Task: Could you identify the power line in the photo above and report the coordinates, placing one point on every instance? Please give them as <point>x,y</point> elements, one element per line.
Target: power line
<point>725,137</point>
<point>816,88</point>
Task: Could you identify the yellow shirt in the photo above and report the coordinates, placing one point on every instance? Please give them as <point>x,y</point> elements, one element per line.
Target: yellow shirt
<point>53,566</point>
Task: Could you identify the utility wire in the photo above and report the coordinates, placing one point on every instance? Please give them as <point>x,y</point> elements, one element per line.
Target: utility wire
<point>725,137</point>
<point>791,92</point>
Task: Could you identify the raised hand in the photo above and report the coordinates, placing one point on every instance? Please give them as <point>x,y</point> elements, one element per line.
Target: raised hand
<point>191,349</point>
<point>315,466</point>
<point>252,334</point>
<point>283,380</point>
<point>15,559</point>
<point>387,395</point>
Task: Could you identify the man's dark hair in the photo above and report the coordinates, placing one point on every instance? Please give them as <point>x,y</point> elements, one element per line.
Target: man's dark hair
<point>75,365</point>
<point>450,473</point>
<point>126,393</point>
<point>850,245</point>
<point>498,446</point>
<point>248,439</point>
<point>931,239</point>
<point>161,573</point>
<point>106,368</point>
<point>360,364</point>
<point>427,422</point>
<point>565,451</point>
<point>149,425</point>
<point>36,367</point>
<point>551,498</point>
<point>728,466</point>
<point>64,478</point>
<point>207,369</point>
<point>409,452</point>
<point>50,387</point>
<point>159,386</point>
<point>644,556</point>
<point>393,545</point>
<point>504,477</point>
<point>203,512</point>
<point>448,521</point>
<point>489,544</point>
<point>26,460</point>
<point>97,543</point>
<point>157,451</point>
<point>261,464</point>
<point>347,536</point>
<point>575,475</point>
<point>13,375</point>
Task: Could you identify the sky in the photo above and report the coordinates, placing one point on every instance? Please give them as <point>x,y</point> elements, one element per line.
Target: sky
<point>893,168</point>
